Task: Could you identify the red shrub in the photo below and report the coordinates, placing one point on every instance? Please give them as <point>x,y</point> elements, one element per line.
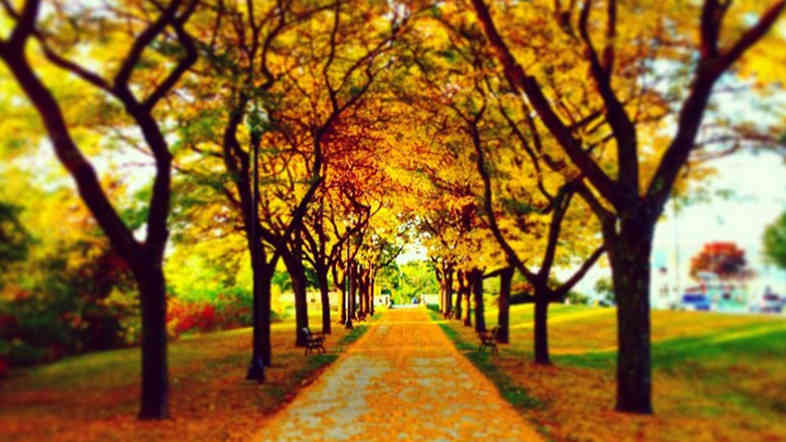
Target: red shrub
<point>190,316</point>
<point>3,368</point>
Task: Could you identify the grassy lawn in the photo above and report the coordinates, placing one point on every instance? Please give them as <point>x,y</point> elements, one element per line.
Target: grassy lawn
<point>95,396</point>
<point>716,376</point>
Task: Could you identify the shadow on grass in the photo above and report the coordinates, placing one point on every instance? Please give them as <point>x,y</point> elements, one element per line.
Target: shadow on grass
<point>515,394</point>
<point>749,342</point>
<point>739,366</point>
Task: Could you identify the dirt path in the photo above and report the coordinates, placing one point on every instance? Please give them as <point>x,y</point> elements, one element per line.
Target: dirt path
<point>403,380</point>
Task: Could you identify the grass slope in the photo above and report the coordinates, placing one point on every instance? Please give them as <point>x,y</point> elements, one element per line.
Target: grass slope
<point>715,376</point>
<point>95,396</point>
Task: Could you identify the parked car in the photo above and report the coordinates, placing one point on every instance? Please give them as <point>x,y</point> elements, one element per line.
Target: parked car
<point>695,301</point>
<point>772,303</point>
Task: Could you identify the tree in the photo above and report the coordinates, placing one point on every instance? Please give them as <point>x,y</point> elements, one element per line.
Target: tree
<point>270,59</point>
<point>14,238</point>
<point>774,240</point>
<point>144,257</point>
<point>627,203</point>
<point>724,259</point>
<point>605,289</point>
<point>525,193</point>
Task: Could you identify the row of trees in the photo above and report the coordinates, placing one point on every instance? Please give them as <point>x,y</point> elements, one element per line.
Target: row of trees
<point>314,129</point>
<point>549,110</point>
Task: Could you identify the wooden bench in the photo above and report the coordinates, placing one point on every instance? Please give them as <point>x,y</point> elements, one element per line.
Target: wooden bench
<point>488,339</point>
<point>314,341</point>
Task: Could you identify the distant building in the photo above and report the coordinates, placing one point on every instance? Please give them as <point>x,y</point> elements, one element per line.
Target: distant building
<point>429,298</point>
<point>664,292</point>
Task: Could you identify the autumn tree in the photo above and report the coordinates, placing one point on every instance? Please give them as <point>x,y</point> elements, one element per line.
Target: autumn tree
<point>139,96</point>
<point>323,250</point>
<point>344,63</point>
<point>526,192</point>
<point>269,59</point>
<point>724,259</point>
<point>338,215</point>
<point>627,202</point>
<point>14,237</point>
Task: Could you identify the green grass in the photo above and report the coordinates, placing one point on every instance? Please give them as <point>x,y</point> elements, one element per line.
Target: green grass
<point>354,335</point>
<point>523,313</point>
<point>746,342</point>
<point>209,393</point>
<point>115,368</point>
<point>725,371</point>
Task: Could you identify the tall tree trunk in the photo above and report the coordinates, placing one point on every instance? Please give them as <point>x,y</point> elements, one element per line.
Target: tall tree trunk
<point>362,296</point>
<point>364,293</point>
<point>146,258</point>
<point>155,374</point>
<point>297,274</point>
<point>265,313</point>
<point>353,290</point>
<point>261,347</point>
<point>261,352</point>
<point>459,294</point>
<point>359,285</point>
<point>541,325</point>
<point>503,317</point>
<point>324,291</point>
<point>441,282</point>
<point>468,305</point>
<point>448,291</point>
<point>457,306</point>
<point>629,255</point>
<point>343,304</point>
<point>371,289</point>
<point>368,294</point>
<point>342,287</point>
<point>477,291</point>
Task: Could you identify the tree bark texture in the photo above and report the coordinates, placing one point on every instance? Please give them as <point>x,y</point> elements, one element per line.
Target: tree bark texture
<point>503,317</point>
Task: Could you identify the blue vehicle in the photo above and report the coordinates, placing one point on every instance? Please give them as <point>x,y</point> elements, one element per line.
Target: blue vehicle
<point>695,301</point>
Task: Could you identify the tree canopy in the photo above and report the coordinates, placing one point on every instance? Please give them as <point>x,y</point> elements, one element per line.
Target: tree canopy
<point>245,140</point>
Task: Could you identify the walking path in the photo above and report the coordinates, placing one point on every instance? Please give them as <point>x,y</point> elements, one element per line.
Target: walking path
<point>403,380</point>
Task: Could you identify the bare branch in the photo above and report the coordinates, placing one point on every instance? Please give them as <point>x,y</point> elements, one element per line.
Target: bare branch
<point>529,85</point>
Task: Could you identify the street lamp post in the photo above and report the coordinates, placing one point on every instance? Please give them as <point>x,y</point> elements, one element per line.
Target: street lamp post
<point>257,368</point>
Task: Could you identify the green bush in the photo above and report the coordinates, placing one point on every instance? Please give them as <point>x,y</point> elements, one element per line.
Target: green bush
<point>578,298</point>
<point>67,310</point>
<point>21,353</point>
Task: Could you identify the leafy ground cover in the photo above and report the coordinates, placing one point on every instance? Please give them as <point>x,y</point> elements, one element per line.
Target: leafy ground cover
<point>716,377</point>
<point>403,381</point>
<point>95,396</point>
